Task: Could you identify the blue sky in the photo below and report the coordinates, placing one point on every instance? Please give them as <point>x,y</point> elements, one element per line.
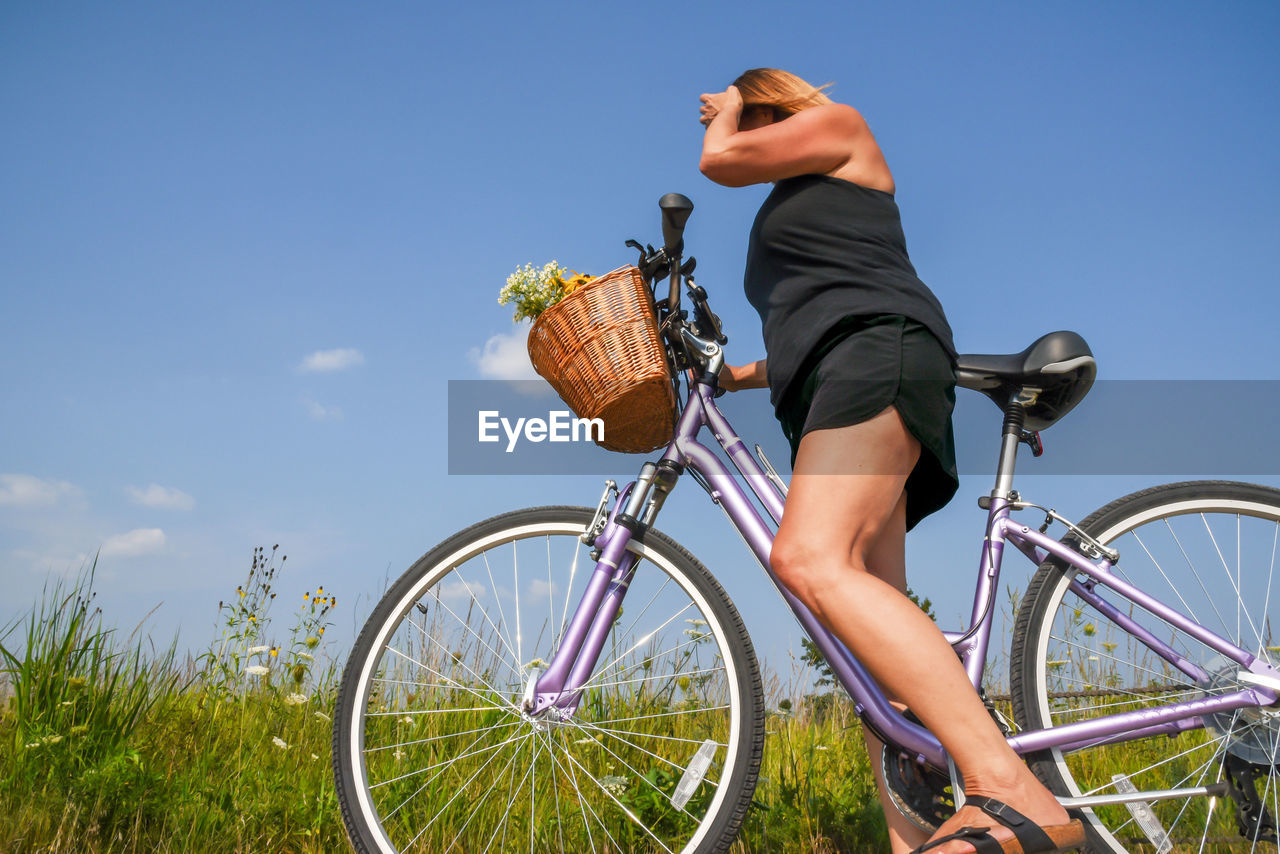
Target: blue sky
<point>198,200</point>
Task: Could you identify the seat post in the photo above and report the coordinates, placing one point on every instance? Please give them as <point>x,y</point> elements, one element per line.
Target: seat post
<point>1011,434</point>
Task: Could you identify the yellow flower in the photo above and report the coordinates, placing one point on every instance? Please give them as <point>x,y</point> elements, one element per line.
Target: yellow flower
<point>312,642</point>
<point>275,650</point>
<point>306,596</point>
<point>321,631</point>
<point>320,591</point>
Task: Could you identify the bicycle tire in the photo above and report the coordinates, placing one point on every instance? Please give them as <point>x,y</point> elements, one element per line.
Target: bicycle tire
<point>562,795</point>
<point>1068,662</point>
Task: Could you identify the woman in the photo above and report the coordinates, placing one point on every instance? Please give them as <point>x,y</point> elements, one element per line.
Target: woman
<point>860,371</point>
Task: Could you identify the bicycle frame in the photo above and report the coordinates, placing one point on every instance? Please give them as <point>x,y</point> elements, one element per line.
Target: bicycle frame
<point>558,687</point>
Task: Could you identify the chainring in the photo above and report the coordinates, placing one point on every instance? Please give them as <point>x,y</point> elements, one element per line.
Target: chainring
<point>921,794</point>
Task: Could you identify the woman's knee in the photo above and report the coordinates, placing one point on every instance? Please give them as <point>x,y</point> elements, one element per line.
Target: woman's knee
<point>808,570</point>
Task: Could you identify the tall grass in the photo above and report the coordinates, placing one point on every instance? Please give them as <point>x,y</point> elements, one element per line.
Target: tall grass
<point>107,745</point>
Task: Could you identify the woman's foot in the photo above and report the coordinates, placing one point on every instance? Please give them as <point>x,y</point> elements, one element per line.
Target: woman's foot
<point>1024,794</point>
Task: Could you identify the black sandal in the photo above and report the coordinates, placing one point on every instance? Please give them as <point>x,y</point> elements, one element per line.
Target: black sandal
<point>1028,837</point>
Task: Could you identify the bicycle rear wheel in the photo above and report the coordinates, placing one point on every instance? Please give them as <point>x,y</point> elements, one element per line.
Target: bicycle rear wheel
<point>1209,550</point>
<point>433,753</point>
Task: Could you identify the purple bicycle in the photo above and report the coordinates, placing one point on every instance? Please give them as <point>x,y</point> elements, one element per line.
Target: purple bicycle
<point>502,698</point>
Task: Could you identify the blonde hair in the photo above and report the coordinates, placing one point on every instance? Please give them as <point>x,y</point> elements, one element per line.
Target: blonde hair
<point>781,90</point>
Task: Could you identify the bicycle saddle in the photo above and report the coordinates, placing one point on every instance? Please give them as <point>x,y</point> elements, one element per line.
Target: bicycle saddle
<point>1048,378</point>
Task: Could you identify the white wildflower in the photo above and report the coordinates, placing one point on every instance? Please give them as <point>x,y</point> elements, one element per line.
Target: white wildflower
<point>279,742</point>
<point>821,747</point>
<point>313,756</point>
<point>399,754</point>
<point>406,719</point>
<point>295,699</point>
<point>51,739</point>
<point>614,784</point>
<point>256,669</point>
<point>322,716</point>
<point>305,656</point>
<point>33,744</point>
<point>254,650</point>
<point>697,624</point>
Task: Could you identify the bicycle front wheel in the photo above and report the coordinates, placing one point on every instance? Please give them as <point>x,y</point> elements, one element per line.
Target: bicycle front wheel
<point>1209,551</point>
<point>433,752</point>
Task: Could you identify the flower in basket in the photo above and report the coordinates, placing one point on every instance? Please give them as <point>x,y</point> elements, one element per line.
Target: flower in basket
<point>535,290</point>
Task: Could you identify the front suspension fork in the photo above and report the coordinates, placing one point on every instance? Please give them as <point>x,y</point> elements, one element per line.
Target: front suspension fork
<point>560,686</point>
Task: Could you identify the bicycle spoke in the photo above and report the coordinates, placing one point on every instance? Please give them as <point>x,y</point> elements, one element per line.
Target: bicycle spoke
<point>1266,599</point>
<point>497,600</point>
<point>481,798</point>
<point>657,715</point>
<point>497,657</point>
<point>433,778</point>
<point>667,676</point>
<point>485,729</point>
<point>634,746</point>
<point>1226,630</point>
<point>590,683</point>
<point>448,761</point>
<point>644,640</point>
<point>512,791</point>
<point>555,790</point>
<point>628,813</point>
<point>458,793</point>
<point>585,803</point>
<point>466,688</point>
<point>568,592</point>
<point>515,585</point>
<point>1104,654</point>
<point>1235,583</point>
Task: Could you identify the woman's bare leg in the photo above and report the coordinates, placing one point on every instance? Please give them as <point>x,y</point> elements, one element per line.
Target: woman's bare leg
<point>846,488</point>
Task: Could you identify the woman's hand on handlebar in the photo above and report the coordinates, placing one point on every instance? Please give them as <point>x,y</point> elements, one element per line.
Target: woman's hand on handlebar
<point>739,377</point>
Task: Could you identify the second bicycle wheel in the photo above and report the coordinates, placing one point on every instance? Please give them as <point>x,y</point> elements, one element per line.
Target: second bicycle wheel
<point>433,753</point>
<point>1209,551</point>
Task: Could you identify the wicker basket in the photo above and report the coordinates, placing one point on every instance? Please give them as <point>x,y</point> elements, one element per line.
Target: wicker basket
<point>599,348</point>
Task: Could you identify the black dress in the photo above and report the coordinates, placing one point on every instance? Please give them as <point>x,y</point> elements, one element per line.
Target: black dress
<point>849,328</point>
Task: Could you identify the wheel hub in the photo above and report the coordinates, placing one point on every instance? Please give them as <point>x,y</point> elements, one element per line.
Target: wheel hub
<point>1252,734</point>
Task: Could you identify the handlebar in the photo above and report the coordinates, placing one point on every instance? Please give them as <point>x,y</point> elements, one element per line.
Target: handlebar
<point>687,342</point>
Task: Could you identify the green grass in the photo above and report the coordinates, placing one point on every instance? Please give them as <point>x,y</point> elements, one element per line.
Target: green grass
<point>107,746</point>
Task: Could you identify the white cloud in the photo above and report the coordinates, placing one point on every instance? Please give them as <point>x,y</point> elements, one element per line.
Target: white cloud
<point>24,490</point>
<point>505,357</point>
<point>162,497</point>
<point>320,412</point>
<point>539,588</point>
<point>140,541</point>
<point>324,361</point>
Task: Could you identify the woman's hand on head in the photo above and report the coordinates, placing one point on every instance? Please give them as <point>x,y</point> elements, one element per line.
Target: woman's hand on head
<point>713,104</point>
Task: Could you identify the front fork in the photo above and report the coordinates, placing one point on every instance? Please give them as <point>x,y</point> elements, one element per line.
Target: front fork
<point>637,505</point>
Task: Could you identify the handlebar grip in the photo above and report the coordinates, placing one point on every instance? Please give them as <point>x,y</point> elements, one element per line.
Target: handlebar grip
<point>675,213</point>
